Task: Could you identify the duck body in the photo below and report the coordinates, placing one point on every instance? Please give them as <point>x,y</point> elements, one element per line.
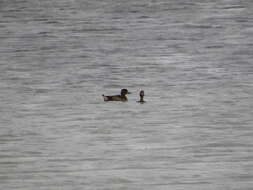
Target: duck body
<point>141,101</point>
<point>122,97</point>
<point>115,98</point>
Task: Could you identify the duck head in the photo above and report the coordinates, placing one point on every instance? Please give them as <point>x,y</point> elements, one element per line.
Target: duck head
<point>124,92</point>
<point>142,93</point>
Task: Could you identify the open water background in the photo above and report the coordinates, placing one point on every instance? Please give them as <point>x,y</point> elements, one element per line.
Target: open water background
<point>193,58</point>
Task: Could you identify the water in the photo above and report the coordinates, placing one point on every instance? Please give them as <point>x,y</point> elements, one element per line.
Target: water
<point>193,59</point>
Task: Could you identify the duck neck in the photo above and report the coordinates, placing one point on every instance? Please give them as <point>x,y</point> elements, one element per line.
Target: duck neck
<point>141,99</point>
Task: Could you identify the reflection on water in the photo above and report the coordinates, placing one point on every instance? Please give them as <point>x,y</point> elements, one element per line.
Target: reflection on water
<point>194,61</point>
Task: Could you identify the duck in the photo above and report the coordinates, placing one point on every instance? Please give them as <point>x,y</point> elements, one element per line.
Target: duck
<point>141,97</point>
<point>122,97</point>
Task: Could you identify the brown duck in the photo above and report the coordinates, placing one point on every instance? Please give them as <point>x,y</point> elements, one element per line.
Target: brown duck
<point>141,97</point>
<point>122,97</point>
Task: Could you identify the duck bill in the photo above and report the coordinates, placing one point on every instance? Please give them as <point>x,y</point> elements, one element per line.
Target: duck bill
<point>129,92</point>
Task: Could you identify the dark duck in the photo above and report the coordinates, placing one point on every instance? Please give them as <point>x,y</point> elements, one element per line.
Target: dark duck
<point>141,97</point>
<point>122,97</point>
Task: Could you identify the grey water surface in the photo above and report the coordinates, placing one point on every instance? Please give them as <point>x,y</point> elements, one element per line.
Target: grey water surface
<point>193,58</point>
